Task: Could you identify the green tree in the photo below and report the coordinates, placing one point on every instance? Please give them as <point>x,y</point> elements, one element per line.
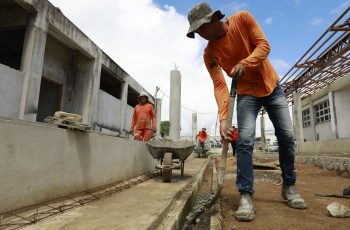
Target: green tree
<point>164,128</point>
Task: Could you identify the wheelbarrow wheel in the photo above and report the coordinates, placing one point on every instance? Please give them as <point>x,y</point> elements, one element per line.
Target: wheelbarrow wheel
<point>167,169</point>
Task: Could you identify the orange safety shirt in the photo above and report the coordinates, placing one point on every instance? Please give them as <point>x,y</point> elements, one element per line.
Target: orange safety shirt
<point>244,43</point>
<point>144,117</point>
<point>202,136</point>
<point>235,135</point>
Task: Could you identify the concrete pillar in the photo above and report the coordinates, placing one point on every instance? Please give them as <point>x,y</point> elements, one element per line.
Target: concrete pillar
<point>298,120</point>
<point>194,126</point>
<point>87,84</point>
<point>175,104</point>
<point>158,115</point>
<point>92,106</point>
<point>313,119</point>
<point>262,130</point>
<point>334,122</point>
<point>32,63</point>
<point>124,103</point>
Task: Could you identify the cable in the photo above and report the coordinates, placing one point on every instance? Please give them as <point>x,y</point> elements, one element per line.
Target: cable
<point>187,108</point>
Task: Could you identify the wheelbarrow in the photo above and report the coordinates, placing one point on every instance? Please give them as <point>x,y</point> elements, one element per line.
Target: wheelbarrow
<point>171,154</point>
<point>202,152</point>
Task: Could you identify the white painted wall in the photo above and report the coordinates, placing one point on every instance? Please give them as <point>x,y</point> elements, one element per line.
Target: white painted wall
<point>11,82</point>
<point>129,113</point>
<point>343,111</point>
<point>109,109</point>
<point>324,131</point>
<point>40,163</point>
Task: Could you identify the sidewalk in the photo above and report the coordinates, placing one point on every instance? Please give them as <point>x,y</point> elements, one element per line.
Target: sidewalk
<point>143,206</point>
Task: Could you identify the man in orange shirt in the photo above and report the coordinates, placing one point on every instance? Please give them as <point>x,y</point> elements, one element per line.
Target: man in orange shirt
<point>234,140</point>
<point>144,119</point>
<point>202,137</point>
<point>239,47</point>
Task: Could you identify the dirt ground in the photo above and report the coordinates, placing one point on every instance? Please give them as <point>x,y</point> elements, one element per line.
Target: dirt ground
<point>273,213</point>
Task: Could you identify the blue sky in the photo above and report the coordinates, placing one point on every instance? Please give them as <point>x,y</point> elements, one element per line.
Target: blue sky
<point>291,26</point>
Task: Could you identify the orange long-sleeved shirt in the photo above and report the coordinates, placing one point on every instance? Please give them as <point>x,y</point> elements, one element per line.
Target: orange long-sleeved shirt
<point>202,136</point>
<point>243,43</point>
<point>144,117</point>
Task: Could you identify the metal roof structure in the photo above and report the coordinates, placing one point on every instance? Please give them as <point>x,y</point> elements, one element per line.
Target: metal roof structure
<point>327,60</point>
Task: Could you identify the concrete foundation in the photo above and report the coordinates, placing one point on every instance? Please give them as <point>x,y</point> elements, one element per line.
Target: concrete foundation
<point>40,163</point>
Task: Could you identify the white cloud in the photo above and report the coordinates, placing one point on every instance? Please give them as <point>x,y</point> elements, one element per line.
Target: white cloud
<point>280,65</point>
<point>268,21</point>
<point>316,21</point>
<point>339,9</point>
<point>147,41</point>
<point>236,6</point>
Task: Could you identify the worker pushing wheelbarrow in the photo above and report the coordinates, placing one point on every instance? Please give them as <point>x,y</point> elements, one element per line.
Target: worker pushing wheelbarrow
<point>171,154</point>
<point>202,148</point>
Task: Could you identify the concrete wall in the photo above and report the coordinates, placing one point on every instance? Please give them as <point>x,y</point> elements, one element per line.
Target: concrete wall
<point>341,145</point>
<point>342,111</point>
<point>129,113</point>
<point>11,81</point>
<point>109,109</point>
<point>328,130</point>
<point>39,163</point>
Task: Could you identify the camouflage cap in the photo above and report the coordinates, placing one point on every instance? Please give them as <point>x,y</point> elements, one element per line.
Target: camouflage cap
<point>199,15</point>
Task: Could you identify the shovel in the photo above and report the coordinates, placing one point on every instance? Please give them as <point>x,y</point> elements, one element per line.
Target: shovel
<point>210,199</point>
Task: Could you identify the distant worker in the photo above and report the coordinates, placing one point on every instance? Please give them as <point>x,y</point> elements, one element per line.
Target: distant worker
<point>202,137</point>
<point>234,140</point>
<point>144,119</point>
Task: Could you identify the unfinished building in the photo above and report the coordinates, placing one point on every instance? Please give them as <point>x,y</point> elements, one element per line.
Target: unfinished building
<point>47,64</point>
<point>318,85</point>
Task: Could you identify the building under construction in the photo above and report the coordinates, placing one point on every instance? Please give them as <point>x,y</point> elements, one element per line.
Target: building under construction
<point>54,178</point>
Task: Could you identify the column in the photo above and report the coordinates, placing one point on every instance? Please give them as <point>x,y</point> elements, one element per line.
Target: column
<point>298,120</point>
<point>194,126</point>
<point>175,104</point>
<point>158,115</point>
<point>124,103</point>
<point>262,130</point>
<point>333,114</point>
<point>32,63</point>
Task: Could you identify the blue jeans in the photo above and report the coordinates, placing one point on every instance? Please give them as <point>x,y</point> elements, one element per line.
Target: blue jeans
<point>247,111</point>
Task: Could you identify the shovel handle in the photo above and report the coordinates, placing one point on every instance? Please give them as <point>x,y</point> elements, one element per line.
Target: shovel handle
<point>231,102</point>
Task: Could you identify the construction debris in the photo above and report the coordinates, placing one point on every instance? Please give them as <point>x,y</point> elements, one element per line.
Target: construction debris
<point>336,209</point>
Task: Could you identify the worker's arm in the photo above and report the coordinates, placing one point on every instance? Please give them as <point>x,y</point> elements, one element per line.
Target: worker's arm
<point>220,88</point>
<point>257,38</point>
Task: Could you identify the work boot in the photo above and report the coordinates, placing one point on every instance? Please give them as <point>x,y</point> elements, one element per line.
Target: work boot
<point>293,198</point>
<point>246,210</point>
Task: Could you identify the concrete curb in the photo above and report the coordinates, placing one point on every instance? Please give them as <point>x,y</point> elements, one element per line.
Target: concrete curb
<point>173,217</point>
<point>338,163</point>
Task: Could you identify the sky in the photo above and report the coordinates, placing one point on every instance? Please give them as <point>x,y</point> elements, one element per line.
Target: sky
<point>147,38</point>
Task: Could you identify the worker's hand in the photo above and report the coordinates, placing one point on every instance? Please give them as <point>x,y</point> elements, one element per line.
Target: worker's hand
<point>237,70</point>
<point>131,130</point>
<point>154,130</point>
<point>226,135</point>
